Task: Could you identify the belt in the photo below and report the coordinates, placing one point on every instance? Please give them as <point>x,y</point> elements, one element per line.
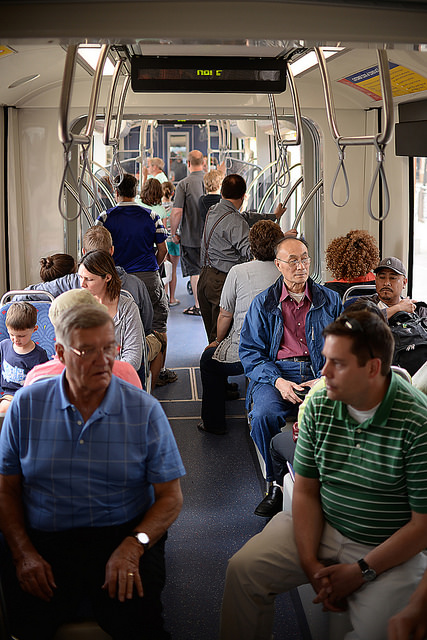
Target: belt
<point>298,359</point>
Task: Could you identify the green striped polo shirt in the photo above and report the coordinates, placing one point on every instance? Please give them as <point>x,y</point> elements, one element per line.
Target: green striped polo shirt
<point>373,474</point>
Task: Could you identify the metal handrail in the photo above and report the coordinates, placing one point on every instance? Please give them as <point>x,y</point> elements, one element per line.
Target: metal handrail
<point>387,93</point>
<point>306,202</point>
<point>282,166</point>
<point>69,139</point>
<point>379,140</point>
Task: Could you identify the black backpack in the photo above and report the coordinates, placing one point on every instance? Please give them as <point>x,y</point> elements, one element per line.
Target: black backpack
<point>410,340</point>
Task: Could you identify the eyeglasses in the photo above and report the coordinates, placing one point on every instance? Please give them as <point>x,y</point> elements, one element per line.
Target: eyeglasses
<point>91,353</point>
<point>354,325</point>
<point>294,262</point>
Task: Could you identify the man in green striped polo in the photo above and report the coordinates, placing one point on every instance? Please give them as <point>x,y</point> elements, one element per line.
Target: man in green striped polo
<point>359,514</point>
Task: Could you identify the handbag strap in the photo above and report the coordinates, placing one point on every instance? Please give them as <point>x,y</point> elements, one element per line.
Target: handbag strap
<point>206,242</point>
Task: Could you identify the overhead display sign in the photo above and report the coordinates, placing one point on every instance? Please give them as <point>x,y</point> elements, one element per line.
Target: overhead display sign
<point>403,81</point>
<point>207,74</point>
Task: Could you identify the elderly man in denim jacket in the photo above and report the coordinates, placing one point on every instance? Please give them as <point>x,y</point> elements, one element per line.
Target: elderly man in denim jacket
<point>281,348</point>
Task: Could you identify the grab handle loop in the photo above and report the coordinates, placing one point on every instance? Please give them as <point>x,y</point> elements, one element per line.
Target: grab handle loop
<point>341,167</point>
<point>380,175</point>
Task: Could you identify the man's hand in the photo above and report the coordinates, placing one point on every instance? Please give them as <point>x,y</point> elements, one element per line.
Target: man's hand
<point>322,587</point>
<point>176,239</point>
<point>286,389</point>
<point>279,211</point>
<point>35,576</point>
<point>410,623</point>
<point>342,580</point>
<point>406,304</point>
<point>122,571</point>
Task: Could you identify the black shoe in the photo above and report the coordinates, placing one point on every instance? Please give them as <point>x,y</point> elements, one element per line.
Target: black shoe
<point>231,395</point>
<point>201,427</point>
<point>272,503</point>
<point>231,386</point>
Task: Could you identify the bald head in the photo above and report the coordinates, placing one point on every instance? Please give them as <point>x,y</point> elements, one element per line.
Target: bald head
<point>195,159</point>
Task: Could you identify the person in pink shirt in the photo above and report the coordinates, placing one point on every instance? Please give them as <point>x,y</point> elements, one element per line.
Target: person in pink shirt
<point>54,367</point>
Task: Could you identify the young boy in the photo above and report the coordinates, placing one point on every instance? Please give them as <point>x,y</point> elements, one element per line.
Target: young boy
<point>19,354</point>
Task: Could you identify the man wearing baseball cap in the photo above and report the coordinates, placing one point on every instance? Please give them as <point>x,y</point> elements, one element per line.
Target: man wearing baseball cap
<point>390,281</point>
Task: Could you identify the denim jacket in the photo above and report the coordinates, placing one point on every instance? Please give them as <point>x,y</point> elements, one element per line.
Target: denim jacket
<point>262,331</point>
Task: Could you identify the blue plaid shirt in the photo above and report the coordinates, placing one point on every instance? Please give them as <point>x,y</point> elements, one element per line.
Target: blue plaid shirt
<point>98,473</point>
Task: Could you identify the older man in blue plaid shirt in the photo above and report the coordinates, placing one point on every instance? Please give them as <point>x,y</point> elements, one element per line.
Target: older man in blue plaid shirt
<point>89,485</point>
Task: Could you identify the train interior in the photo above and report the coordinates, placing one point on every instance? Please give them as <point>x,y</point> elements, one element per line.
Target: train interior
<point>340,138</point>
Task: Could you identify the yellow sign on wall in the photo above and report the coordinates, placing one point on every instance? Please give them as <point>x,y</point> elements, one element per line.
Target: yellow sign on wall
<point>403,81</point>
<point>5,51</point>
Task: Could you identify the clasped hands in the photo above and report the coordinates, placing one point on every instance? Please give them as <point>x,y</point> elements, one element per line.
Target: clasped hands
<point>334,583</point>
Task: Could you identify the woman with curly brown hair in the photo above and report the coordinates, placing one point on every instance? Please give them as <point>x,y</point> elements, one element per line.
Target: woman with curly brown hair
<point>350,259</point>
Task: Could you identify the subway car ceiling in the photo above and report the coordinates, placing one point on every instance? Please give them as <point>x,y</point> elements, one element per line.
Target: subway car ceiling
<point>31,78</point>
<point>37,35</point>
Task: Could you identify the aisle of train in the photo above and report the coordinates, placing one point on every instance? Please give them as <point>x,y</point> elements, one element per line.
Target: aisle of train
<point>221,489</point>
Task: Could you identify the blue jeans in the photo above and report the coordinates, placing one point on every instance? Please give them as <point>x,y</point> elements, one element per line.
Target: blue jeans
<point>269,410</point>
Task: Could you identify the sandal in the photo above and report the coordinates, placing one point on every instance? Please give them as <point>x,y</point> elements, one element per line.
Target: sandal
<point>192,311</point>
<point>174,304</point>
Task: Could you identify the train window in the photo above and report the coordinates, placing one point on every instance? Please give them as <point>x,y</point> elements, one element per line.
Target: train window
<point>419,289</point>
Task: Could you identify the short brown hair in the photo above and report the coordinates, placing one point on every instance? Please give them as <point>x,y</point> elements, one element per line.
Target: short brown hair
<point>263,237</point>
<point>151,192</point>
<point>352,256</point>
<point>56,266</point>
<point>100,263</point>
<point>21,316</point>
<point>97,238</point>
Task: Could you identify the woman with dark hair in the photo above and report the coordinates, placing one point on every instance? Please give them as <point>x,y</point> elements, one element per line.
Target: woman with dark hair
<point>56,266</point>
<point>97,273</point>
<point>350,259</point>
<point>221,358</point>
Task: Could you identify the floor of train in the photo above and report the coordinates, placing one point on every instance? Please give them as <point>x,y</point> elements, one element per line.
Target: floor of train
<point>221,489</point>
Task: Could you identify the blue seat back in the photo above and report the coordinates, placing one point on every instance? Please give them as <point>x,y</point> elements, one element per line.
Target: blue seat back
<point>45,334</point>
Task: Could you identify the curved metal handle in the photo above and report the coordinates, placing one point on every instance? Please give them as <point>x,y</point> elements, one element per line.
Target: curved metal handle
<point>306,202</point>
<point>110,104</point>
<point>384,73</point>
<point>96,87</point>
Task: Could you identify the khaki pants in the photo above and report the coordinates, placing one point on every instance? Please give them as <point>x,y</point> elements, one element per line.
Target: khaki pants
<point>268,564</point>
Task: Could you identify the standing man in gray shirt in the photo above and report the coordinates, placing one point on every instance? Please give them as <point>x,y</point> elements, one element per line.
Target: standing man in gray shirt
<point>225,243</point>
<point>186,211</point>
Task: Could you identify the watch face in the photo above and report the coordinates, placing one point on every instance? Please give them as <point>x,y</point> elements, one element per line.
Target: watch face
<point>369,575</point>
<point>142,538</point>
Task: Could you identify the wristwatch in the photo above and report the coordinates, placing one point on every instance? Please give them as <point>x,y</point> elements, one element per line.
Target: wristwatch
<point>368,574</point>
<point>142,538</point>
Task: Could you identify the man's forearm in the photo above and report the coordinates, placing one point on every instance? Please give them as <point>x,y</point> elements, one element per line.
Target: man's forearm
<point>401,546</point>
<point>308,526</point>
<point>12,522</point>
<point>175,219</point>
<point>162,513</point>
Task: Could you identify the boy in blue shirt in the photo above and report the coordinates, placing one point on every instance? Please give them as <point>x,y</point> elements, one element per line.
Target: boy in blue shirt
<point>18,354</point>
